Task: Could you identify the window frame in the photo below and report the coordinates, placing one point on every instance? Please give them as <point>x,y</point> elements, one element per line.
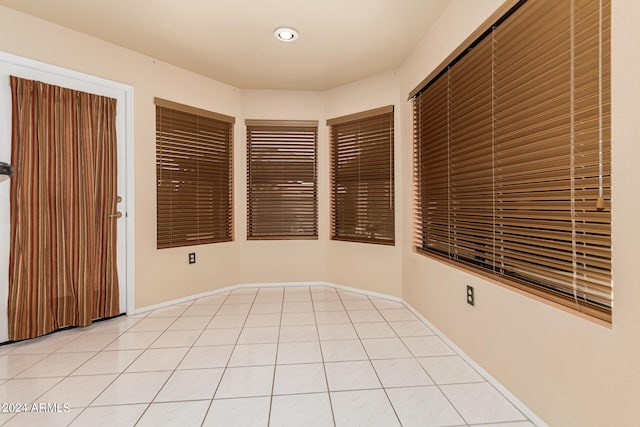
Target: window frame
<point>363,133</point>
<point>592,296</point>
<point>212,136</point>
<point>277,142</point>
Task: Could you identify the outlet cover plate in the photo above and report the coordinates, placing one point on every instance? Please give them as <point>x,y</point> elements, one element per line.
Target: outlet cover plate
<point>471,299</point>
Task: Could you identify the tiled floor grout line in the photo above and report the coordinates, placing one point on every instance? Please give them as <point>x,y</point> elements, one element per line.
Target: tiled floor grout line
<point>275,363</point>
<point>505,397</point>
<point>435,383</point>
<point>42,394</point>
<point>224,370</point>
<point>395,412</point>
<point>55,384</point>
<point>413,357</point>
<point>373,366</point>
<point>118,375</point>
<point>297,321</point>
<point>324,365</point>
<point>484,379</point>
<point>62,378</point>
<point>183,357</point>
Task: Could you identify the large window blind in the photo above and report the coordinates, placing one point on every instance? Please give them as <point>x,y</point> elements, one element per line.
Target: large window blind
<point>362,192</point>
<point>512,154</point>
<point>194,176</point>
<point>282,196</point>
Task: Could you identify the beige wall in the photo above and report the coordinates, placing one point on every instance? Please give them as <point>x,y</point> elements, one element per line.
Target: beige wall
<point>569,371</point>
<point>280,260</point>
<point>160,275</point>
<point>371,267</point>
<point>376,268</point>
<point>164,275</point>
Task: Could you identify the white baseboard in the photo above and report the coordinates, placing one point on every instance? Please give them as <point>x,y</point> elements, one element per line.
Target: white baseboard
<point>514,400</point>
<point>502,389</point>
<point>183,299</point>
<point>278,284</point>
<point>361,291</point>
<point>221,291</point>
<point>261,285</point>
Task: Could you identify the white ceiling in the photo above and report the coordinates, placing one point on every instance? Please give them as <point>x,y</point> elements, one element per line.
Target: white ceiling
<point>232,41</point>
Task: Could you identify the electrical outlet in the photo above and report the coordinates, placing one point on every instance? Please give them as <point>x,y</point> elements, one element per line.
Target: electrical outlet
<point>471,300</point>
<point>192,257</point>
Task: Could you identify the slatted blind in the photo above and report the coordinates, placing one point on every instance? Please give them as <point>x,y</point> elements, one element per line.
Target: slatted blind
<point>282,195</point>
<point>362,189</point>
<point>512,155</point>
<point>194,175</point>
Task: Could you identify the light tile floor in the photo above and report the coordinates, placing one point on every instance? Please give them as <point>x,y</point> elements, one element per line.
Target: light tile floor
<point>276,356</point>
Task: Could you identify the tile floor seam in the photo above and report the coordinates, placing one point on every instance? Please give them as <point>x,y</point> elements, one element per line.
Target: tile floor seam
<point>42,394</point>
<point>298,306</point>
<point>369,360</point>
<point>87,361</point>
<point>324,365</point>
<point>395,412</point>
<point>422,367</point>
<point>206,413</point>
<point>275,362</point>
<point>122,373</point>
<point>178,364</point>
<point>124,370</point>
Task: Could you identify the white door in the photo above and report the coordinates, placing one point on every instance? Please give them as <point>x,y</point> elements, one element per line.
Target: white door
<point>20,67</point>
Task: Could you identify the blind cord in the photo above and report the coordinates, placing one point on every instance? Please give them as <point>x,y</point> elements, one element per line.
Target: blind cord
<point>600,203</point>
<point>574,255</point>
<point>493,143</point>
<point>391,168</point>
<point>449,161</point>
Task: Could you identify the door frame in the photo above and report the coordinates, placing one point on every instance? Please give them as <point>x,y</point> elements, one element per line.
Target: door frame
<point>80,81</point>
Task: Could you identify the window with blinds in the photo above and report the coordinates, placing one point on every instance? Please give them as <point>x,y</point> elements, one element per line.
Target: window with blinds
<point>512,155</point>
<point>282,195</point>
<point>194,175</point>
<point>362,191</point>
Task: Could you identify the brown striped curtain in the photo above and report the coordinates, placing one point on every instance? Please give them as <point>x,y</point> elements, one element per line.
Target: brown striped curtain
<point>62,263</point>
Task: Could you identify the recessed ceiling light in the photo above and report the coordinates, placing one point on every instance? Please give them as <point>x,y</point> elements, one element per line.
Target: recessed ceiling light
<point>285,34</point>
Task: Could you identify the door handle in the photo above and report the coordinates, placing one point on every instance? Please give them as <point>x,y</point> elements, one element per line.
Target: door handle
<point>116,215</point>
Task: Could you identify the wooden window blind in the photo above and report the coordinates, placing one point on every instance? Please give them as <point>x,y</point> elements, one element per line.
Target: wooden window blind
<point>362,183</point>
<point>512,155</point>
<point>194,175</point>
<point>282,196</point>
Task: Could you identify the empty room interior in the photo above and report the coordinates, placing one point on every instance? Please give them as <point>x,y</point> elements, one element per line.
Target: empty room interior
<point>336,213</point>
